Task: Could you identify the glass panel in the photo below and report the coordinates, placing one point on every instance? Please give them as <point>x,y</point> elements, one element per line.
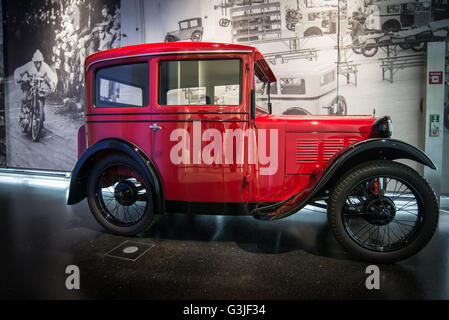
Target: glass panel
<point>262,94</point>
<point>293,86</point>
<point>327,78</point>
<point>123,85</point>
<point>193,23</point>
<point>111,91</point>
<point>394,8</point>
<point>200,82</point>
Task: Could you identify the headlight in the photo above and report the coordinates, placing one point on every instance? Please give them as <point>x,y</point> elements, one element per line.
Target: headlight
<point>383,127</point>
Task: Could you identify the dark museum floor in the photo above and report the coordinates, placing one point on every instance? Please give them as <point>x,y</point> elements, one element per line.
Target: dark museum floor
<point>194,257</point>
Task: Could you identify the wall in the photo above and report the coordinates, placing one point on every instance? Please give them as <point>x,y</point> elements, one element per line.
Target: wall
<point>2,98</point>
<point>303,41</point>
<point>64,32</point>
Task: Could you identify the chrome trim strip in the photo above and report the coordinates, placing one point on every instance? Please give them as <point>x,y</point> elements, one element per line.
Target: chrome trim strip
<point>165,53</point>
<point>35,172</point>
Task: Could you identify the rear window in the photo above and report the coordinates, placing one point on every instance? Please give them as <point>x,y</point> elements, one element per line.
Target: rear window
<point>124,85</point>
<point>200,82</point>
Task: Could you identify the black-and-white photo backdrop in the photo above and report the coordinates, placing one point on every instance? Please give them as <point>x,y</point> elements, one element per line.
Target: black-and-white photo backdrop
<point>329,56</point>
<point>49,40</point>
<point>2,98</point>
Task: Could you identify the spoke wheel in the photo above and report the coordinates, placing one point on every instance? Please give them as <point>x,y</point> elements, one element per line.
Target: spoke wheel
<point>197,36</point>
<point>120,196</point>
<point>382,211</point>
<point>338,106</point>
<point>369,50</point>
<point>37,119</point>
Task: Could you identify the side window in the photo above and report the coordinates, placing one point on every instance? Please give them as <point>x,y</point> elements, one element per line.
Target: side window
<point>193,23</point>
<point>293,86</point>
<point>200,82</point>
<point>183,25</point>
<point>327,78</point>
<point>124,85</point>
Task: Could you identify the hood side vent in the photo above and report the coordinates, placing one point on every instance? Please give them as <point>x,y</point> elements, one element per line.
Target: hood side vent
<point>306,151</point>
<point>332,147</point>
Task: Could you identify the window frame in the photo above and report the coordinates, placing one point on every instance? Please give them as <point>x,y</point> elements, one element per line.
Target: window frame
<point>114,105</point>
<point>196,58</point>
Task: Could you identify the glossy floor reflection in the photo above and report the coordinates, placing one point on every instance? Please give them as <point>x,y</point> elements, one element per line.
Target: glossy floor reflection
<point>194,257</point>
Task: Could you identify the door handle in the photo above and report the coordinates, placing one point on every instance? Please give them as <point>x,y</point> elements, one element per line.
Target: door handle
<point>155,127</point>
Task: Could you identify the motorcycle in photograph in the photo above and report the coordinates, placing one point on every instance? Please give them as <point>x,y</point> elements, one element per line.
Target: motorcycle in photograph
<point>362,41</point>
<point>32,117</point>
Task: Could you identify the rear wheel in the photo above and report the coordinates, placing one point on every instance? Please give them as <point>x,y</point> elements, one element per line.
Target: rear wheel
<point>369,49</point>
<point>383,211</point>
<point>313,32</point>
<point>120,196</point>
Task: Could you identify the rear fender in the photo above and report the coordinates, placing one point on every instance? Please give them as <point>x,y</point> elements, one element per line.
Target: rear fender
<point>84,165</point>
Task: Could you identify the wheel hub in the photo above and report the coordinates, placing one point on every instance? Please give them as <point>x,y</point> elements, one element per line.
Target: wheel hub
<point>125,193</point>
<point>381,211</point>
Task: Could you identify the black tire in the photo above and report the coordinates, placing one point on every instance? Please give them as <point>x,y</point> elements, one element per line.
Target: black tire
<point>418,47</point>
<point>37,120</point>
<point>404,46</point>
<point>170,38</point>
<point>340,213</point>
<point>196,36</point>
<point>356,47</point>
<point>313,32</point>
<point>391,26</point>
<point>369,50</point>
<point>338,106</point>
<point>102,177</point>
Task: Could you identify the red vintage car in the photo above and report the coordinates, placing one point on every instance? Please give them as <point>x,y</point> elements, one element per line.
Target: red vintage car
<point>183,128</point>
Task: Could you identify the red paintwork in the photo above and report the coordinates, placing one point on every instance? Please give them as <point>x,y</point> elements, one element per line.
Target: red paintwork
<point>329,135</point>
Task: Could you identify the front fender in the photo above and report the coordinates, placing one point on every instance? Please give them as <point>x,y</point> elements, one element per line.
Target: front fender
<point>390,149</point>
<point>372,149</point>
<point>80,173</point>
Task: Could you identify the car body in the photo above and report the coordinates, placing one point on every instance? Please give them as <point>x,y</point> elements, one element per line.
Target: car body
<point>174,128</point>
<point>396,15</point>
<point>317,21</point>
<point>189,29</point>
<point>311,86</point>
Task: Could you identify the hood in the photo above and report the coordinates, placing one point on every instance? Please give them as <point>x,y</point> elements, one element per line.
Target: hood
<point>325,123</point>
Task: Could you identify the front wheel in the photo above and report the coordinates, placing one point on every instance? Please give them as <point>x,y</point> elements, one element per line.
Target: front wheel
<point>37,120</point>
<point>356,47</point>
<point>120,196</point>
<point>338,106</point>
<point>383,212</point>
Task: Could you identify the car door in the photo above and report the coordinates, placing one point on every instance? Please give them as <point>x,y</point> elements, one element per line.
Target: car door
<point>119,102</point>
<point>200,116</point>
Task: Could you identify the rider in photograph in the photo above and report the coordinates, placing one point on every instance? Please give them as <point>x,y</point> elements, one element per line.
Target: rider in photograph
<point>35,68</point>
